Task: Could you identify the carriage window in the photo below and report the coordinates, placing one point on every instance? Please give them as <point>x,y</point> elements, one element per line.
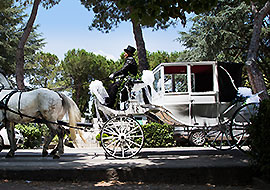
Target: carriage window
<point>176,79</point>
<point>203,78</point>
<point>176,83</point>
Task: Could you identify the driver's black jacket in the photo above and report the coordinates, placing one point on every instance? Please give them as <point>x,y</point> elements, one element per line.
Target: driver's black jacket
<point>130,66</point>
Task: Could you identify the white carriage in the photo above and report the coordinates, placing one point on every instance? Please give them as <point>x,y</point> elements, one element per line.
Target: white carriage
<point>198,98</point>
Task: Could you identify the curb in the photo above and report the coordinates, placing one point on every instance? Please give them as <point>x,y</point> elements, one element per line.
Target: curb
<point>203,175</point>
<point>172,166</point>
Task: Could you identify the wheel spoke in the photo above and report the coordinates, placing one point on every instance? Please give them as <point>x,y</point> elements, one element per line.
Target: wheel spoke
<point>116,147</point>
<point>111,144</point>
<point>134,143</point>
<point>217,137</point>
<point>123,152</point>
<point>130,148</point>
<point>110,131</point>
<point>136,136</point>
<point>109,138</point>
<point>228,139</point>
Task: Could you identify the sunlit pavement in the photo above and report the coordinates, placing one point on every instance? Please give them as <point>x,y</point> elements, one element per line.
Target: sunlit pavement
<point>170,165</point>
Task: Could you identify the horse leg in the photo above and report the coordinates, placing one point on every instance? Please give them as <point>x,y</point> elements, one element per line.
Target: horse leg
<point>47,142</point>
<point>60,146</point>
<point>68,139</point>
<point>11,138</point>
<point>53,132</point>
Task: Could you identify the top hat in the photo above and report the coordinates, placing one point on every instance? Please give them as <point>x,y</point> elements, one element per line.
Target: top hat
<point>130,50</point>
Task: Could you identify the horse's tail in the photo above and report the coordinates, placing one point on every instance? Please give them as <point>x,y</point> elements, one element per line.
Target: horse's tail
<point>74,115</point>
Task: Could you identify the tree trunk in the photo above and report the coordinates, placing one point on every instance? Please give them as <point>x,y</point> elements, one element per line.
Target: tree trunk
<point>254,74</point>
<point>20,49</point>
<point>137,31</point>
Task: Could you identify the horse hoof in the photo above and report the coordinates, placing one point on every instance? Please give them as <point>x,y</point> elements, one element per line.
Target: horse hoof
<point>53,152</point>
<point>44,153</point>
<point>56,156</point>
<point>10,155</point>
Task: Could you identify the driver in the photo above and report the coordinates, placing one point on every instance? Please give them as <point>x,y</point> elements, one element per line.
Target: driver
<point>130,68</point>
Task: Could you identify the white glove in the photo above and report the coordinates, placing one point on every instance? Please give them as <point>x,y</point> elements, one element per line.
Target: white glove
<point>111,76</point>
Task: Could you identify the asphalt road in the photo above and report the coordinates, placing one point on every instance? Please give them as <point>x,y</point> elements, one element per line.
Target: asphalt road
<point>111,185</point>
<point>159,168</point>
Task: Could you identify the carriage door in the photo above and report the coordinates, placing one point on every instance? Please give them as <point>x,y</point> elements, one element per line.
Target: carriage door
<point>203,94</point>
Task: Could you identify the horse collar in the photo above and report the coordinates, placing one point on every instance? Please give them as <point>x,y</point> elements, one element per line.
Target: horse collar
<point>5,100</point>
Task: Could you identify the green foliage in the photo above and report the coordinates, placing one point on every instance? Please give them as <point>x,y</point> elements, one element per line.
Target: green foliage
<point>221,34</point>
<point>98,138</point>
<point>12,25</point>
<point>11,18</point>
<point>224,34</point>
<point>155,58</point>
<point>44,71</point>
<point>260,141</point>
<point>157,14</point>
<point>32,133</point>
<point>79,68</point>
<point>161,14</point>
<point>45,3</point>
<point>4,4</point>
<point>158,135</point>
<point>107,14</point>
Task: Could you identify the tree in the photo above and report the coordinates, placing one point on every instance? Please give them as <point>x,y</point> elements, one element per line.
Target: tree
<point>220,34</point>
<point>44,71</point>
<point>161,14</point>
<point>156,14</point>
<point>254,74</point>
<point>12,24</point>
<point>157,11</point>
<point>80,68</point>
<point>155,58</point>
<point>4,4</point>
<point>28,28</point>
<point>224,33</point>
<point>108,15</point>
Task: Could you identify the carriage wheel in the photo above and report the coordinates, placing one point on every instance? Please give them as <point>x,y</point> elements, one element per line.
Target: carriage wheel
<point>240,123</point>
<point>122,137</point>
<point>219,137</point>
<point>197,138</point>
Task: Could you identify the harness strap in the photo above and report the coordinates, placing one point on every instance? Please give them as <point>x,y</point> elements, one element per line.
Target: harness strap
<point>19,104</point>
<point>2,86</point>
<point>4,105</point>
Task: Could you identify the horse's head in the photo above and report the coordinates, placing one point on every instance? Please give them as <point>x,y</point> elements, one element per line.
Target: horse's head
<point>4,83</point>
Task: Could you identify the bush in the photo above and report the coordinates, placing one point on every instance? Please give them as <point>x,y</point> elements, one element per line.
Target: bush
<point>260,140</point>
<point>98,138</point>
<point>158,135</point>
<point>32,134</point>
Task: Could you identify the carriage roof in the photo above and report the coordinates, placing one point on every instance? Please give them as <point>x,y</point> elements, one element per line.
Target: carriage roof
<point>184,64</point>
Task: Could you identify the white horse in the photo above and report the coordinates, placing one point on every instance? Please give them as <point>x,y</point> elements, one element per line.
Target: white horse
<point>50,106</point>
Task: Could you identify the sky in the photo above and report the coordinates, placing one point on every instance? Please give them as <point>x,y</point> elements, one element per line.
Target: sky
<point>65,27</point>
